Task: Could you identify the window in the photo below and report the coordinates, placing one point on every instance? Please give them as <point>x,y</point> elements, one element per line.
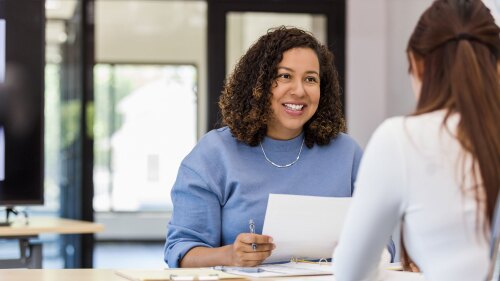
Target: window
<point>145,124</point>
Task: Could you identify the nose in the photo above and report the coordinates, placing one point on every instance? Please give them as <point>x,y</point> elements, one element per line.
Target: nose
<point>298,89</point>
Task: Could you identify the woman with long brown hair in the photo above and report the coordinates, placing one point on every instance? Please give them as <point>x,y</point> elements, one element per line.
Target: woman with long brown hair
<point>441,165</point>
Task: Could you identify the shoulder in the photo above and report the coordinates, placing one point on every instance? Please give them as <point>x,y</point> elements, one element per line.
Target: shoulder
<point>432,122</point>
<point>343,148</point>
<point>216,137</point>
<point>415,129</point>
<point>343,139</point>
<point>390,126</point>
<point>344,142</point>
<point>212,147</point>
<point>387,133</point>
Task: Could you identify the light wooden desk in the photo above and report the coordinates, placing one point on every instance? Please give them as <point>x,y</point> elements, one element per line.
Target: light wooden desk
<point>109,275</point>
<point>31,254</point>
<point>40,225</point>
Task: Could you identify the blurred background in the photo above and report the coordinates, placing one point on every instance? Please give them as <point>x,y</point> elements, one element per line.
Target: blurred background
<point>131,85</point>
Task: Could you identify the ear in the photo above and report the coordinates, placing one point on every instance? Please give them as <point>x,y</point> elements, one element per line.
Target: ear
<point>417,66</point>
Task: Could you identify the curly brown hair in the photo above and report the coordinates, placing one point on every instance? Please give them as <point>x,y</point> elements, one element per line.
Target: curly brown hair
<point>245,102</point>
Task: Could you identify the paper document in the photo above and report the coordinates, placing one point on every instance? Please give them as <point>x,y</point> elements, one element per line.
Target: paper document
<point>299,269</point>
<point>282,270</point>
<point>304,227</point>
<point>176,274</point>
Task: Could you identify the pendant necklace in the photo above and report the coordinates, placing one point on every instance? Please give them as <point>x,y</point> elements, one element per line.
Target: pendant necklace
<point>286,165</point>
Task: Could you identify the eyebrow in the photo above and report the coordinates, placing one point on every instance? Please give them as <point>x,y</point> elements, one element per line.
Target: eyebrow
<point>291,70</point>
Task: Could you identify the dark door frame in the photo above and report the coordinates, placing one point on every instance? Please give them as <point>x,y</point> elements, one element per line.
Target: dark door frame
<point>334,10</point>
<point>77,189</point>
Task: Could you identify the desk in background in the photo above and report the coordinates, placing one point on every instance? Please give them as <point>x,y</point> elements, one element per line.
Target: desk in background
<point>31,253</point>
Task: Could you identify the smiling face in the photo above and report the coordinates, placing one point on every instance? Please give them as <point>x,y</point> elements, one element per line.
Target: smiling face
<point>295,93</point>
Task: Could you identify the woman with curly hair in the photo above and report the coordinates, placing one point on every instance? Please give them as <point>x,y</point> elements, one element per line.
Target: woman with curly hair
<point>283,134</point>
<point>441,172</point>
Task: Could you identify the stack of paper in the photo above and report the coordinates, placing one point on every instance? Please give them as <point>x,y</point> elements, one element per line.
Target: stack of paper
<point>281,270</point>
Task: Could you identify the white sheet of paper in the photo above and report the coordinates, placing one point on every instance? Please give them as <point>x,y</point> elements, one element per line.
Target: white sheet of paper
<point>283,269</point>
<point>304,227</point>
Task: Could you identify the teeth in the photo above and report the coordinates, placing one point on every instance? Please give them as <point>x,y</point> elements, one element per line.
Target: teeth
<point>294,106</point>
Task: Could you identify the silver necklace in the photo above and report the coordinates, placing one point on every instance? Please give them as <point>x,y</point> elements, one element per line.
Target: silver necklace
<point>286,165</point>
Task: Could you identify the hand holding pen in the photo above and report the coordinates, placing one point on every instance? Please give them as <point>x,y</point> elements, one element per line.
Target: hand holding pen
<point>250,249</point>
<point>251,225</point>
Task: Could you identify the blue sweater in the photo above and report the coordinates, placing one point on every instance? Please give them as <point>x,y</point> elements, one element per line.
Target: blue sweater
<point>223,183</point>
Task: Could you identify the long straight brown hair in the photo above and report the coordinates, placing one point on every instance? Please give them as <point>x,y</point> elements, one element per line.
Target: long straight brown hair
<point>459,44</point>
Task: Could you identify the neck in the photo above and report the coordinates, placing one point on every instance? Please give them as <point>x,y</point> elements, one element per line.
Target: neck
<point>283,135</point>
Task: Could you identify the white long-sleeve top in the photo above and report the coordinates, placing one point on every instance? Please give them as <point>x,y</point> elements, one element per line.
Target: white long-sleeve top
<point>412,173</point>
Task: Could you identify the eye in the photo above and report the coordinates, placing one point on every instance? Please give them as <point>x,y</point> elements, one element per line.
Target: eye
<point>284,76</point>
<point>312,79</point>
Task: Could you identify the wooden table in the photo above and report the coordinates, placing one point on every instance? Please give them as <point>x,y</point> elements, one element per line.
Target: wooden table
<point>109,275</point>
<point>31,254</point>
<point>39,225</point>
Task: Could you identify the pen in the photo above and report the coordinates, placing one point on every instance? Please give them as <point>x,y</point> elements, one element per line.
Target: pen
<point>251,225</point>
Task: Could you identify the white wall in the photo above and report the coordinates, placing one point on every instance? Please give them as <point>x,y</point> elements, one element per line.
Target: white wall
<point>377,81</point>
<point>494,6</point>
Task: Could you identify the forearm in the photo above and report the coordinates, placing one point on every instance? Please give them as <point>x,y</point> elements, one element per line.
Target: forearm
<point>205,257</point>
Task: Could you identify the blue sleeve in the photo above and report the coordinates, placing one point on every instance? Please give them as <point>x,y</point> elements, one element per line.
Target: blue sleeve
<point>196,218</point>
<point>358,153</point>
<point>391,247</point>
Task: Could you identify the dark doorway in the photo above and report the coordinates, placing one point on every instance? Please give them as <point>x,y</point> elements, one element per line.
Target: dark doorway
<point>333,11</point>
